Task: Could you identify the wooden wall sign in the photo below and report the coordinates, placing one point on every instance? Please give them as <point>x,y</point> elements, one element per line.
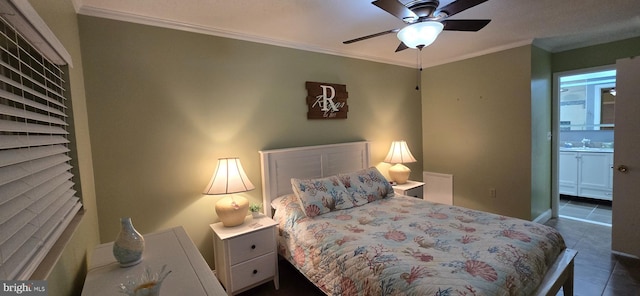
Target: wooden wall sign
<point>327,100</point>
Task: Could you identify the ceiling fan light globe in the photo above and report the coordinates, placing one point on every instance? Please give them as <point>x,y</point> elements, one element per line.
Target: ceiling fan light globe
<point>420,34</point>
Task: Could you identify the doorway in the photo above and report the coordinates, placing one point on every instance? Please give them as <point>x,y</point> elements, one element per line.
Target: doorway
<point>584,101</point>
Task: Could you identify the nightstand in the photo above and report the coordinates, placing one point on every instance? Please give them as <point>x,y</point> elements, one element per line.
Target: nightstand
<point>411,188</point>
<point>245,255</point>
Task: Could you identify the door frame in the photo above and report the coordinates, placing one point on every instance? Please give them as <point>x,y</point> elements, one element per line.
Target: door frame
<point>555,131</point>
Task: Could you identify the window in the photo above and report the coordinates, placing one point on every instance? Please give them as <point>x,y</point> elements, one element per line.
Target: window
<point>37,196</point>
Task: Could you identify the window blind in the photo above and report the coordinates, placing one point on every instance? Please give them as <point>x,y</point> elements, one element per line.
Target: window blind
<point>37,196</point>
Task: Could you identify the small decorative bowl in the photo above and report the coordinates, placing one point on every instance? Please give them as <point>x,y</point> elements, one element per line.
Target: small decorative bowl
<point>145,284</point>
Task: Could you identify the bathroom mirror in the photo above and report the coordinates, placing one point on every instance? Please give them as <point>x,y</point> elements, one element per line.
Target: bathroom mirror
<point>587,100</point>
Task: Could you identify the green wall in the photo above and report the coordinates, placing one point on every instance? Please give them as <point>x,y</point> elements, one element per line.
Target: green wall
<point>68,273</point>
<point>540,128</point>
<point>476,122</point>
<point>594,56</point>
<point>165,104</point>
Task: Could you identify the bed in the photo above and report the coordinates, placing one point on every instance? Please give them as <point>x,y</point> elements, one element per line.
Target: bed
<point>349,239</point>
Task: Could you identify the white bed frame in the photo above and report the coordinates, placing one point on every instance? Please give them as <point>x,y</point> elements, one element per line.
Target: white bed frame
<point>280,165</point>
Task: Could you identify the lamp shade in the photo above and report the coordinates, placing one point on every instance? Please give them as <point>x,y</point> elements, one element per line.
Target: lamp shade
<point>229,177</point>
<point>399,153</point>
<point>420,34</point>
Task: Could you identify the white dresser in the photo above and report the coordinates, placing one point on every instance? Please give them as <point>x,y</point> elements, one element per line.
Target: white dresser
<point>245,255</point>
<point>190,274</point>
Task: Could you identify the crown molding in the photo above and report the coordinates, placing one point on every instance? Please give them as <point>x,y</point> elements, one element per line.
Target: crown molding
<point>219,32</point>
<point>182,26</point>
<point>483,52</point>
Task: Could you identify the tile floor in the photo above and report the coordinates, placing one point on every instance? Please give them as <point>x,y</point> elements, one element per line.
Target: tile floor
<point>598,272</point>
<point>597,211</point>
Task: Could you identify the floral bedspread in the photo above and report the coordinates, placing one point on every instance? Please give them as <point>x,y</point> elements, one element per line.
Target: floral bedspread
<point>408,246</point>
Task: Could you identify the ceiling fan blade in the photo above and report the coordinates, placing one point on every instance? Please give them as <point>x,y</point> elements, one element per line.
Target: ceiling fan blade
<point>459,6</point>
<point>464,25</point>
<point>397,9</point>
<point>401,47</point>
<point>371,36</point>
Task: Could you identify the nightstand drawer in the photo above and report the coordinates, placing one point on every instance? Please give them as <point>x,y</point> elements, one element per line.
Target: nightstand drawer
<point>414,192</point>
<point>251,245</point>
<point>253,271</point>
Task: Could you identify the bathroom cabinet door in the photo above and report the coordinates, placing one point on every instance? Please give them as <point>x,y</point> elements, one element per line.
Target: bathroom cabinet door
<point>595,175</point>
<point>568,176</point>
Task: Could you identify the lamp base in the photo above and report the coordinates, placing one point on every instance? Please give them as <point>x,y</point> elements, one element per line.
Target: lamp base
<point>232,210</point>
<point>399,173</point>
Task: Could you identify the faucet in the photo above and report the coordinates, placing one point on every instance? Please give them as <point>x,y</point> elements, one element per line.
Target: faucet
<point>585,141</point>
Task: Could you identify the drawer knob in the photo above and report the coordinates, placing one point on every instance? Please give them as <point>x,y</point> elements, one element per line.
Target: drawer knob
<point>253,247</point>
<point>255,271</point>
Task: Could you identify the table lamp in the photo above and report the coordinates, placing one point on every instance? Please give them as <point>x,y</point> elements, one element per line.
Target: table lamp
<point>399,154</point>
<point>230,178</point>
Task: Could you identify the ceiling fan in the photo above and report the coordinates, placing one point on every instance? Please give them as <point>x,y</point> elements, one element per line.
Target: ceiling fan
<point>425,21</point>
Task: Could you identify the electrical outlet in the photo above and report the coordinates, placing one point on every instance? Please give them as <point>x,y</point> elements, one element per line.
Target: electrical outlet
<point>492,192</point>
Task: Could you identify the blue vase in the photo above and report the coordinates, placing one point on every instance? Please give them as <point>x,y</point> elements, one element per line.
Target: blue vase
<point>129,245</point>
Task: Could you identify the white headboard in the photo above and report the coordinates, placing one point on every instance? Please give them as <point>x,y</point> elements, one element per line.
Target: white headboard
<point>278,166</point>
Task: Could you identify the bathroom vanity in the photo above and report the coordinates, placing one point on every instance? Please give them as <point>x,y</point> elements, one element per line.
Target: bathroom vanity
<point>586,172</point>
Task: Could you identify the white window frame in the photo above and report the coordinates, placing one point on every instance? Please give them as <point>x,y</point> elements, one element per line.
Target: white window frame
<point>37,196</point>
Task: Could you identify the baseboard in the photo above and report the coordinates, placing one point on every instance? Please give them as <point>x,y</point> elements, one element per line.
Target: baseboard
<point>544,217</point>
<point>624,254</point>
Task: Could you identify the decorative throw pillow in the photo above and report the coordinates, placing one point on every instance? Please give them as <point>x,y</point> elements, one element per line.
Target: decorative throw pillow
<point>366,185</point>
<point>319,196</point>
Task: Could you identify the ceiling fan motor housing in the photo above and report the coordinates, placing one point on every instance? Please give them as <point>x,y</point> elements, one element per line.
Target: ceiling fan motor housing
<point>424,9</point>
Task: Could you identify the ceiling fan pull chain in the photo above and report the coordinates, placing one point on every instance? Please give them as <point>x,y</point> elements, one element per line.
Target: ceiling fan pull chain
<point>419,61</point>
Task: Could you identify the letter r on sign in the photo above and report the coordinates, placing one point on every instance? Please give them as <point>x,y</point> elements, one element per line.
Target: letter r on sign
<point>328,100</point>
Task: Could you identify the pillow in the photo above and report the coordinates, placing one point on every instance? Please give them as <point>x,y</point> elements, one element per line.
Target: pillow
<point>319,196</point>
<point>366,185</point>
<point>288,210</point>
<point>277,202</point>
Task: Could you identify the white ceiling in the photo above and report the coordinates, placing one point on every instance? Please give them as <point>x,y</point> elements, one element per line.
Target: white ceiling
<point>322,25</point>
